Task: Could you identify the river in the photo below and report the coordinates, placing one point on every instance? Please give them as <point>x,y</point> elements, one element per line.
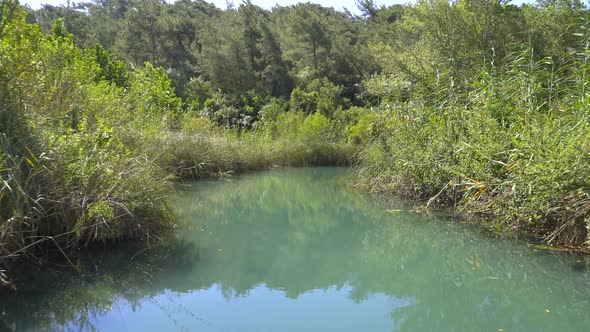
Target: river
<point>296,249</point>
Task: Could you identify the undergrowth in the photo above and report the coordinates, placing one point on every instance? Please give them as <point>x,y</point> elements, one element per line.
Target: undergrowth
<point>510,150</point>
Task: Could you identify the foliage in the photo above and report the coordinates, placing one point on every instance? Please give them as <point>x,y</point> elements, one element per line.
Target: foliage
<point>68,177</point>
<point>88,147</point>
<point>111,70</point>
<point>477,104</point>
<point>503,142</point>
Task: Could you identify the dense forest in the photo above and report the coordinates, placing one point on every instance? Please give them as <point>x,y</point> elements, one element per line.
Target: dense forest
<point>476,104</point>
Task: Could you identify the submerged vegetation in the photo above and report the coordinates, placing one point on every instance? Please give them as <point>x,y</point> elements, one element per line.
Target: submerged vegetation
<point>478,104</point>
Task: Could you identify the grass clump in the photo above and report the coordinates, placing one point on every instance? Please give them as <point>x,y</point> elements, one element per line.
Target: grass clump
<point>507,150</point>
<point>202,149</point>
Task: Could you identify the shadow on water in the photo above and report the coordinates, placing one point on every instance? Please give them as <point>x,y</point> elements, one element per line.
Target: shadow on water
<point>297,231</point>
<point>51,298</point>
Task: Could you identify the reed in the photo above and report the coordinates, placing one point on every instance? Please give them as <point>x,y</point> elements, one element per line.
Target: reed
<point>512,150</point>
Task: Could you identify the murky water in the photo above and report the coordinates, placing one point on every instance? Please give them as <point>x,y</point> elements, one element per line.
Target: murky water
<point>296,250</point>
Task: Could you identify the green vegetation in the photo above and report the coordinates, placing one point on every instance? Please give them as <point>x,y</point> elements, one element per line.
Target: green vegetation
<point>477,104</point>
<point>491,117</point>
<point>89,148</point>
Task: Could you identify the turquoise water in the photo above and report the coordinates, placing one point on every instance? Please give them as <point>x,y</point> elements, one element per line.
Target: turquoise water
<point>295,249</point>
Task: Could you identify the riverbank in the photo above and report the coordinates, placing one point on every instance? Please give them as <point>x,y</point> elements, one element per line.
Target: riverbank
<point>529,173</point>
<point>90,145</point>
<point>88,149</point>
<point>116,200</point>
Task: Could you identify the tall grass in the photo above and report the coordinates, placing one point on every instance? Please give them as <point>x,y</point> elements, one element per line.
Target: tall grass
<point>70,195</point>
<point>201,149</point>
<point>68,177</point>
<point>513,150</point>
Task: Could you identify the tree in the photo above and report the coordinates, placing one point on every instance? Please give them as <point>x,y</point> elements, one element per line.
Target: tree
<point>141,34</point>
<point>225,56</point>
<point>264,52</point>
<point>368,8</point>
<point>114,71</point>
<point>306,23</point>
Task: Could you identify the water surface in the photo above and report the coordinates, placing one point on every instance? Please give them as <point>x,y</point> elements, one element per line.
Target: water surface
<point>295,249</point>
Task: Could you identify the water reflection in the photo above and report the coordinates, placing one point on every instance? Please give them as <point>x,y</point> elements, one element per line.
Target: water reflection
<point>294,249</point>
